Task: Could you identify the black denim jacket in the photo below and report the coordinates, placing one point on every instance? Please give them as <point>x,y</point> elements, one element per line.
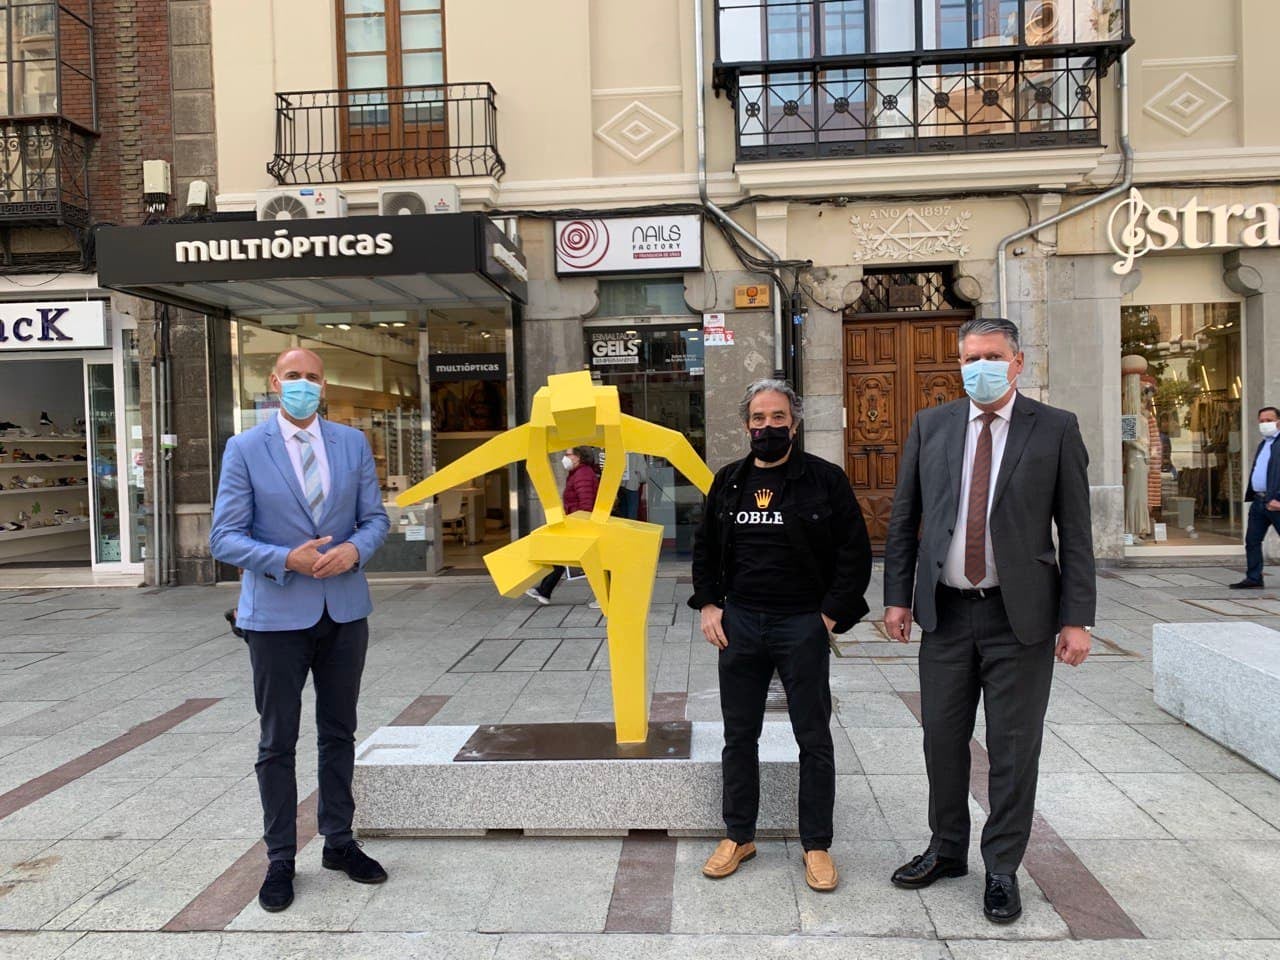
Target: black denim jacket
<point>821,516</point>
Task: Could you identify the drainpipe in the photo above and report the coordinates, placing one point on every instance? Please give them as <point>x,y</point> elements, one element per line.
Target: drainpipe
<point>1126,181</point>
<point>780,353</point>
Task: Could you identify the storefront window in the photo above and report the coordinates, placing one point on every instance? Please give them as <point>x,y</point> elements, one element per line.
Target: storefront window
<point>371,370</point>
<point>470,403</point>
<point>647,297</point>
<point>658,371</point>
<point>135,456</point>
<point>104,463</point>
<point>425,388</point>
<point>1181,424</point>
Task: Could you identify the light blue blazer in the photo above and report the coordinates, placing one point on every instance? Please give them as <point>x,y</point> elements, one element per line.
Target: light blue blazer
<point>261,515</point>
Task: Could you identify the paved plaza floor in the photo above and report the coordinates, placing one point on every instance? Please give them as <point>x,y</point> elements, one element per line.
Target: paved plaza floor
<point>129,818</point>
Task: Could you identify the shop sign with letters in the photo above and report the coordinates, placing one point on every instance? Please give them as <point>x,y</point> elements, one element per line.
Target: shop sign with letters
<point>53,325</point>
<point>281,246</point>
<point>1137,228</point>
<point>611,348</point>
<point>628,244</point>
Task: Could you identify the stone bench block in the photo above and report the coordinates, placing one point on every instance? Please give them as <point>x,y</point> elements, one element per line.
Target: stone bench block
<point>1224,680</point>
<point>408,785</point>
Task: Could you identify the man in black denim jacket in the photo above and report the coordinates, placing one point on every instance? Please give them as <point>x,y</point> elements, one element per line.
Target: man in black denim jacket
<point>780,560</point>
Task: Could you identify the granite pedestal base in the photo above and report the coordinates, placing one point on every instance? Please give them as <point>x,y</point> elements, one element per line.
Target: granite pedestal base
<point>408,784</point>
<point>1224,680</point>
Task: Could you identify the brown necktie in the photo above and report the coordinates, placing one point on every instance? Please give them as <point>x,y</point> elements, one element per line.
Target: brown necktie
<point>975,544</point>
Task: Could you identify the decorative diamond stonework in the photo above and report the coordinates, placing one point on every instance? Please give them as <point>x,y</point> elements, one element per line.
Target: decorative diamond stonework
<point>1186,104</point>
<point>637,131</point>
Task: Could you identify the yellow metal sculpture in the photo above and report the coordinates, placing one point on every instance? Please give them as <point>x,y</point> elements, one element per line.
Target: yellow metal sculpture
<point>618,556</point>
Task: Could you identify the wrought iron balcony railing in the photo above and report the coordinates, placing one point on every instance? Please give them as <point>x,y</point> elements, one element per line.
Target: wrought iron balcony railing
<point>44,172</point>
<point>386,133</point>
<point>842,78</point>
<point>918,108</point>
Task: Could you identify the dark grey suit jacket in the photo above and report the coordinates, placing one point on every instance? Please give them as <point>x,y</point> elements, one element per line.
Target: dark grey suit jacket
<point>1043,480</point>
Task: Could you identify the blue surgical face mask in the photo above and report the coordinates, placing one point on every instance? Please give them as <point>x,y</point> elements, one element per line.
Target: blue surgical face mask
<point>986,381</point>
<point>300,398</point>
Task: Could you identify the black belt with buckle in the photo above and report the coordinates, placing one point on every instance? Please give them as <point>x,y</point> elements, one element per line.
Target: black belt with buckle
<point>981,593</point>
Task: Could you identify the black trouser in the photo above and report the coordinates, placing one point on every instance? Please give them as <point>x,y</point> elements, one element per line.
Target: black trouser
<point>974,651</point>
<point>796,646</point>
<point>550,580</point>
<point>334,654</point>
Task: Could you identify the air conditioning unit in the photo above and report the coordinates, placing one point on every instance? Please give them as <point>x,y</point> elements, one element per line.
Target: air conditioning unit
<point>301,203</point>
<point>412,200</point>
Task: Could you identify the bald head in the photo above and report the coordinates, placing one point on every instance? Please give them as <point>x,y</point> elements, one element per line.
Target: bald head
<point>297,364</point>
<point>302,361</point>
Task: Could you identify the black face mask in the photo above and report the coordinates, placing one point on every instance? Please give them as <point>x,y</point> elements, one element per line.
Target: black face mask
<point>770,444</point>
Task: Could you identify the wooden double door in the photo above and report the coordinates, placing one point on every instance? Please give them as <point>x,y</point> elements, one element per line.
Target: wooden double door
<point>895,365</point>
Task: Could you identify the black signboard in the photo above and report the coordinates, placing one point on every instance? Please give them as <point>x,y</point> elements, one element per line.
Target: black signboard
<point>137,258</point>
<point>456,367</point>
<point>644,349</point>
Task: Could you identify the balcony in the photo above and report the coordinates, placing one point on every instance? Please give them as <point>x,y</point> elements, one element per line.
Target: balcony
<point>44,172</point>
<point>386,133</point>
<point>812,79</point>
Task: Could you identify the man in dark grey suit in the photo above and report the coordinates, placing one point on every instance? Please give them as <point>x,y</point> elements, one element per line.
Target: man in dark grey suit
<point>970,547</point>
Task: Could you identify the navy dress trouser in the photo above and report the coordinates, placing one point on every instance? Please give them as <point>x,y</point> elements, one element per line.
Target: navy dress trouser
<point>333,653</point>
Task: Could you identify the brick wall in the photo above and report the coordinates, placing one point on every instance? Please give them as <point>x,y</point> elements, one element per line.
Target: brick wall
<point>135,103</point>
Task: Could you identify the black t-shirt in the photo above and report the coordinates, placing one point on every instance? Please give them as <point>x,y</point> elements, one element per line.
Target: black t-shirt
<point>766,574</point>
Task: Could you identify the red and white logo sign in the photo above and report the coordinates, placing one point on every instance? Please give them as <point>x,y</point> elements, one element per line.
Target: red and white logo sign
<point>582,244</point>
<point>628,244</point>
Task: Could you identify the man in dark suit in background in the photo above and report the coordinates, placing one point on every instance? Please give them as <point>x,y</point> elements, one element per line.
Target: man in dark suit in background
<point>1263,496</point>
<point>970,547</point>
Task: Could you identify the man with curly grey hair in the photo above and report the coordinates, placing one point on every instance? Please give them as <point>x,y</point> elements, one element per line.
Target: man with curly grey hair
<point>780,560</point>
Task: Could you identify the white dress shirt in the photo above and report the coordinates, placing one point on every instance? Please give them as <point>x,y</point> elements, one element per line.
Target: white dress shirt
<point>1262,465</point>
<point>953,566</point>
<point>288,431</point>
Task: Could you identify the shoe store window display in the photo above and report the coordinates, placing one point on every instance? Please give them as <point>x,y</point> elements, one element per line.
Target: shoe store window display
<point>1262,494</point>
<point>43,482</point>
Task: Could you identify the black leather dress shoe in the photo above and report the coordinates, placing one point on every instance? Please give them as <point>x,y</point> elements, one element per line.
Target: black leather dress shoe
<point>1247,585</point>
<point>926,869</point>
<point>1002,903</point>
<point>276,892</point>
<point>354,862</point>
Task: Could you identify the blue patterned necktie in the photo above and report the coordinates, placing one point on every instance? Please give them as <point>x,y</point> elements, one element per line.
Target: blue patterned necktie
<point>312,487</point>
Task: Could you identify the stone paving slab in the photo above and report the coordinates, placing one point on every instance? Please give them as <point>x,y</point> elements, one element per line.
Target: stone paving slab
<point>1167,890</point>
<point>1183,833</point>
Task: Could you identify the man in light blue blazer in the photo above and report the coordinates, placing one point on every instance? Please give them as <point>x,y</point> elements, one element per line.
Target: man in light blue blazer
<point>300,512</point>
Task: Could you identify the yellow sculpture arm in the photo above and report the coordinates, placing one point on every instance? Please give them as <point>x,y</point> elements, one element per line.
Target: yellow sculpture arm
<point>615,462</point>
<point>640,436</point>
<point>498,452</point>
<point>544,480</point>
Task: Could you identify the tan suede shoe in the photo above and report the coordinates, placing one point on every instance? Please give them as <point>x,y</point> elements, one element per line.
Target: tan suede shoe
<point>728,855</point>
<point>819,871</point>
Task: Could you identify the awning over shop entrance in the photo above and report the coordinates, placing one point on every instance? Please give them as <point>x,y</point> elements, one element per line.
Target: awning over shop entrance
<point>255,268</point>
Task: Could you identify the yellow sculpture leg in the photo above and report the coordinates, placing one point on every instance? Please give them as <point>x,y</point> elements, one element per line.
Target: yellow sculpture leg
<point>630,553</point>
<point>619,557</point>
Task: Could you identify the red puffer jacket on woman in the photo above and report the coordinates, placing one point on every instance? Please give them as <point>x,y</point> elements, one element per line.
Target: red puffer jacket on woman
<point>580,488</point>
